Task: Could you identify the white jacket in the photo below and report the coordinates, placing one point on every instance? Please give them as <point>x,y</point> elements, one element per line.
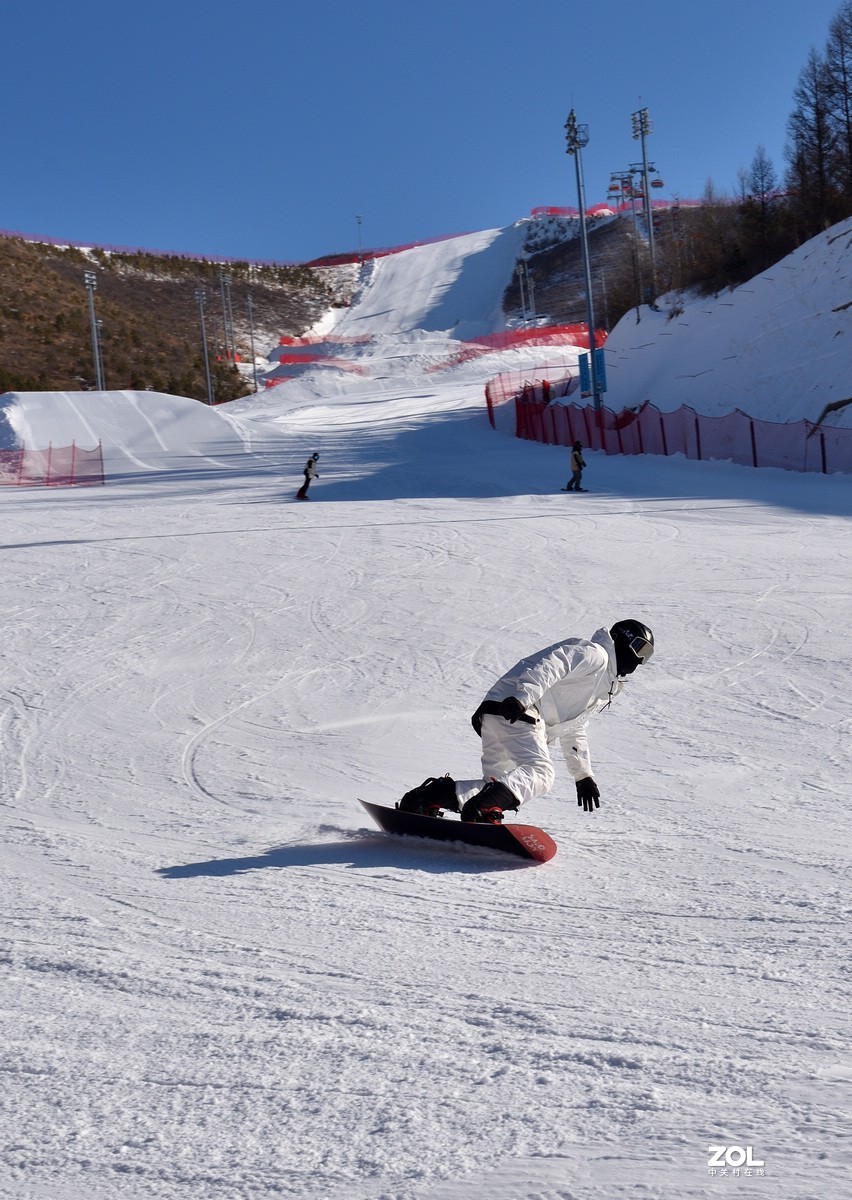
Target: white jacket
<point>564,685</point>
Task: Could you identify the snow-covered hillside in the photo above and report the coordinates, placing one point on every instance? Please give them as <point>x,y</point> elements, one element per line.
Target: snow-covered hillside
<point>779,347</point>
<point>219,981</point>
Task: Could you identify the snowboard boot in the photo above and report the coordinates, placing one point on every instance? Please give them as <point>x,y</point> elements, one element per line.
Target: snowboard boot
<point>431,797</point>
<point>487,807</point>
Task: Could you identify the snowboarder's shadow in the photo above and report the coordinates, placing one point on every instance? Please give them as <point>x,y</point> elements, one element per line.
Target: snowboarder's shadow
<point>361,851</point>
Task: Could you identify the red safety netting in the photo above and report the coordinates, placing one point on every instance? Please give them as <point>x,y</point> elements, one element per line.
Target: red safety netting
<point>57,466</point>
<point>537,385</point>
<point>330,339</point>
<point>736,437</point>
<point>544,335</point>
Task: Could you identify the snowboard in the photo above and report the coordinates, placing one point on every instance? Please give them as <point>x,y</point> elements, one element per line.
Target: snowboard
<point>526,841</point>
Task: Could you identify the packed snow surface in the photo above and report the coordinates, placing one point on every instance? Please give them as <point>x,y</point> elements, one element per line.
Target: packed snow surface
<point>219,981</point>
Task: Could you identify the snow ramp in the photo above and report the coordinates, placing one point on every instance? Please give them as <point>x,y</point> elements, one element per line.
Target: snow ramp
<point>139,431</point>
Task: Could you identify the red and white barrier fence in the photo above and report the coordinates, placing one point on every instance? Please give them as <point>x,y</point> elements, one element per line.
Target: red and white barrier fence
<point>735,437</point>
<point>57,466</point>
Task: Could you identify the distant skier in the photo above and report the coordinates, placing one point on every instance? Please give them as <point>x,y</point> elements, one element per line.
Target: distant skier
<point>577,465</point>
<point>544,698</point>
<point>310,472</point>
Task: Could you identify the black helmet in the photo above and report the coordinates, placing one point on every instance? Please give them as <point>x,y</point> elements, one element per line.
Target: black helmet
<point>315,454</point>
<point>634,644</point>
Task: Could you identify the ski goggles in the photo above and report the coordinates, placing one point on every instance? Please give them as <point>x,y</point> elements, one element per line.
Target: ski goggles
<point>642,648</point>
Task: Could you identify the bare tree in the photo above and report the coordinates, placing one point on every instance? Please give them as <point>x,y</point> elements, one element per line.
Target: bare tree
<point>838,61</point>
<point>812,146</point>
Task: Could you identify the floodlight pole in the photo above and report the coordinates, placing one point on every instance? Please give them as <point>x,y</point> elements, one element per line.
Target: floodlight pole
<point>199,296</point>
<point>251,338</point>
<point>359,218</point>
<point>100,327</point>
<point>641,128</point>
<point>530,289</point>
<point>227,316</point>
<point>91,282</point>
<point>521,289</point>
<point>577,136</point>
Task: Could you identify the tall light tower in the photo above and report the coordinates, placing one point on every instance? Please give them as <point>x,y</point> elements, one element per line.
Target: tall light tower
<point>100,327</point>
<point>359,219</point>
<point>521,289</point>
<point>91,282</point>
<point>228,316</point>
<point>530,289</point>
<point>199,296</point>
<point>577,136</point>
<point>251,338</point>
<point>641,128</point>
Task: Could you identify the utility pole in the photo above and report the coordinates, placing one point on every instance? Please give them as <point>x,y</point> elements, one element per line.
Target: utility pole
<point>91,283</point>
<point>577,136</point>
<point>199,296</point>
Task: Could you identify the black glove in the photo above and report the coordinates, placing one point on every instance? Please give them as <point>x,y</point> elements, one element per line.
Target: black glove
<point>588,794</point>
<point>512,710</point>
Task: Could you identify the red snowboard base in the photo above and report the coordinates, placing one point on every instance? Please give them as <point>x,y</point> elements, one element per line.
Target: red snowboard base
<point>523,840</point>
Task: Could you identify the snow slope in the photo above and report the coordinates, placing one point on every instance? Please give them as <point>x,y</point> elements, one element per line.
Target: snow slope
<point>218,981</point>
<point>454,285</point>
<point>779,347</point>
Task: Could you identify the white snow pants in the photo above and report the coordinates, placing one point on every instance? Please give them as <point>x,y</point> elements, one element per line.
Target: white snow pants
<point>515,755</point>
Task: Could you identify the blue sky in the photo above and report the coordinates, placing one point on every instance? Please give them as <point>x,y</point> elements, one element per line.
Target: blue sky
<point>264,129</point>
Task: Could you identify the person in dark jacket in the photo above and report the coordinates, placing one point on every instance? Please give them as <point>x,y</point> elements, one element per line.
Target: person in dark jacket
<point>310,472</point>
<point>577,464</point>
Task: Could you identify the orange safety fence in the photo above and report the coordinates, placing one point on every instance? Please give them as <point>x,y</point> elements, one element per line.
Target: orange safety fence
<point>57,466</point>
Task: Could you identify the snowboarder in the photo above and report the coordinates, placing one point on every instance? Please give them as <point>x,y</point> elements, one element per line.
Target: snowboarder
<point>544,698</point>
<point>310,472</point>
<point>577,464</point>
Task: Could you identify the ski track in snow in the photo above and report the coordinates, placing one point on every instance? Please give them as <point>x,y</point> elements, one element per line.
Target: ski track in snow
<point>218,981</point>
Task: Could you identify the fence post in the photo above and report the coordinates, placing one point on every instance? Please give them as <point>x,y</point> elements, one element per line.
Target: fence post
<point>49,457</point>
<point>663,435</point>
<point>753,443</point>
<point>822,452</point>
<point>73,460</point>
<point>698,436</point>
